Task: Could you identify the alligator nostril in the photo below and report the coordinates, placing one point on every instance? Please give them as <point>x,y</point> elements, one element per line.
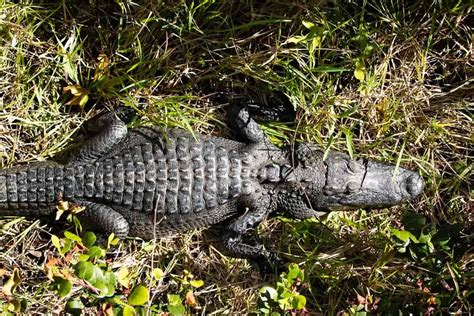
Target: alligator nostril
<point>414,185</point>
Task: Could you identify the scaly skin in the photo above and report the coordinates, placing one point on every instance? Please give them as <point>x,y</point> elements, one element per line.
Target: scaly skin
<point>148,183</point>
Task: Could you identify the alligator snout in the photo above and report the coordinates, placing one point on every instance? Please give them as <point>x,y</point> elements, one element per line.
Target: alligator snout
<point>412,185</point>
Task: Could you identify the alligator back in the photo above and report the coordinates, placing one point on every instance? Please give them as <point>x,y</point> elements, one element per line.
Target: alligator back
<point>172,172</point>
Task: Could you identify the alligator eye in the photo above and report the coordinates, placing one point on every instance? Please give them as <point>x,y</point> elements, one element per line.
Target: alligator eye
<point>352,187</point>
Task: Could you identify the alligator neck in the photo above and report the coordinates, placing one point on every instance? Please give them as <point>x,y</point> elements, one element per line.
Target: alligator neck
<point>31,189</point>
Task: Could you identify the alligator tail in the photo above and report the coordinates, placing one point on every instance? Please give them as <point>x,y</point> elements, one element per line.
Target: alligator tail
<point>31,190</point>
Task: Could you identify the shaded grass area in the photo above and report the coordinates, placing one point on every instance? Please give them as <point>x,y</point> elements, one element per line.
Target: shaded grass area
<point>388,80</point>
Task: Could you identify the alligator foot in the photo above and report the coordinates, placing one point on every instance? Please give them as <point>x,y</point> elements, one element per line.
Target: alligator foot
<point>239,242</point>
<point>268,107</point>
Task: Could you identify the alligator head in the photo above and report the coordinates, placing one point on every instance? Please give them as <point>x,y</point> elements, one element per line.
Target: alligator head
<point>351,183</point>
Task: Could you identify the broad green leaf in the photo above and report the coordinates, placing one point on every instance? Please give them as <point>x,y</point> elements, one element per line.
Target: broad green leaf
<point>89,239</point>
<point>158,273</point>
<point>270,291</point>
<point>83,257</point>
<point>112,241</point>
<point>89,272</point>
<point>66,247</point>
<point>308,25</point>
<point>128,311</point>
<point>123,277</point>
<point>294,272</point>
<point>175,306</point>
<point>196,283</point>
<point>72,236</point>
<point>74,306</point>
<point>283,303</point>
<point>101,287</point>
<point>96,252</point>
<point>13,306</point>
<point>174,299</point>
<point>424,238</point>
<point>56,242</point>
<point>403,235</point>
<point>109,282</point>
<point>64,287</point>
<point>139,295</point>
<point>299,302</point>
<point>359,73</point>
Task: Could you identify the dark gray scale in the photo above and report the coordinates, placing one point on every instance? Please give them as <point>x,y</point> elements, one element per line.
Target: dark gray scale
<point>269,173</point>
<point>68,183</point>
<point>139,178</point>
<point>197,165</point>
<point>210,187</point>
<point>161,176</point>
<point>108,177</point>
<point>49,181</point>
<point>150,176</point>
<point>222,175</point>
<point>31,179</point>
<point>184,167</point>
<point>99,179</point>
<point>119,181</point>
<point>78,178</point>
<point>12,190</point>
<point>129,180</point>
<point>58,181</point>
<point>3,189</point>
<point>246,182</point>
<point>22,183</point>
<point>41,191</point>
<point>173,177</point>
<point>234,173</point>
<point>89,178</point>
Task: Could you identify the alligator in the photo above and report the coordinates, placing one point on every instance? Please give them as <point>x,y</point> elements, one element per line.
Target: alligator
<point>149,182</point>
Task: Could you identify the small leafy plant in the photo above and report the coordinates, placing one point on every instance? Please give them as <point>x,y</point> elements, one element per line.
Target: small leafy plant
<point>419,239</point>
<point>286,296</point>
<point>83,274</point>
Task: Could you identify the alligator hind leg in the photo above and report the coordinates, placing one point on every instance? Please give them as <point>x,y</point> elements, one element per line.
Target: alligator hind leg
<point>104,219</point>
<point>110,129</point>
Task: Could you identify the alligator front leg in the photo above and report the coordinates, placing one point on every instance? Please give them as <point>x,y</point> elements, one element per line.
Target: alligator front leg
<point>104,219</point>
<point>244,125</point>
<point>110,129</point>
<point>236,239</point>
<point>243,113</point>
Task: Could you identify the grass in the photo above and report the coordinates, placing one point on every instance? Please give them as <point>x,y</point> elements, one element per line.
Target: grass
<point>389,80</point>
